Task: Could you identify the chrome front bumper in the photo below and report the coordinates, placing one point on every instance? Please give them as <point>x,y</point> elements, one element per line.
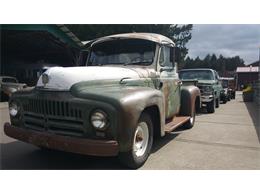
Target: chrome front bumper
<point>63,143</point>
<point>206,98</point>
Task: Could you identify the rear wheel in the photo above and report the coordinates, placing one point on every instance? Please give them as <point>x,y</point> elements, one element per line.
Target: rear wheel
<point>142,140</point>
<point>190,123</point>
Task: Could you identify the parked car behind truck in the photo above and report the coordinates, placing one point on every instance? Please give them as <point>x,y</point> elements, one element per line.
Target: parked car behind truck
<point>9,85</point>
<point>228,84</point>
<point>208,83</point>
<point>128,93</point>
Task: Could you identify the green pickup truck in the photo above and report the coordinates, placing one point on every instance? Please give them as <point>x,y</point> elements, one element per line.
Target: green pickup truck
<point>128,93</point>
<point>209,84</point>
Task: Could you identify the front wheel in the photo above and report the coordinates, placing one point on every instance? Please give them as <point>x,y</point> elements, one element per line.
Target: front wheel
<point>217,103</point>
<point>142,140</point>
<point>211,106</point>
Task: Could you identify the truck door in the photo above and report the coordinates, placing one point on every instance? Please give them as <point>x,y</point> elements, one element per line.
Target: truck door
<point>170,80</point>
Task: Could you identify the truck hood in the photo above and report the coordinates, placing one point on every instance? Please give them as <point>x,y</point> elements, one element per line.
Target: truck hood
<point>62,78</point>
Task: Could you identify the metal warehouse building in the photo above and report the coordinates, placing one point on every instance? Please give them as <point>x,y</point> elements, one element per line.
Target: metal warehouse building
<point>27,50</point>
<point>247,75</point>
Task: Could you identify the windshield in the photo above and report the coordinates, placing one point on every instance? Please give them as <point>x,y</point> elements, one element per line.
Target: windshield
<point>196,74</point>
<point>122,52</point>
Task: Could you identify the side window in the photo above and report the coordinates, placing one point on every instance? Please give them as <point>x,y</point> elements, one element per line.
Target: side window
<point>165,57</point>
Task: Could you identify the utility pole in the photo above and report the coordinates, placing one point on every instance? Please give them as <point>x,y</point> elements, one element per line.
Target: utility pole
<point>259,65</point>
<point>259,57</point>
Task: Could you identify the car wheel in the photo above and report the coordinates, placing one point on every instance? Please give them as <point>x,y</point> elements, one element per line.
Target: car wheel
<point>142,140</point>
<point>211,106</point>
<point>191,121</point>
<point>217,103</point>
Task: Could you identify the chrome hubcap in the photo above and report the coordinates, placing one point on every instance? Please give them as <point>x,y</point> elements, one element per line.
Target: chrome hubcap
<point>191,119</point>
<point>141,139</point>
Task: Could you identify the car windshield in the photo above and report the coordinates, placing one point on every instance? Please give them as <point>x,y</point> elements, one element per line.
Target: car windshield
<point>196,74</point>
<point>122,52</point>
<point>9,80</point>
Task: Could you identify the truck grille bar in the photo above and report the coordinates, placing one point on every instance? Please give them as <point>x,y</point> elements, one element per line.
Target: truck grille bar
<point>60,117</point>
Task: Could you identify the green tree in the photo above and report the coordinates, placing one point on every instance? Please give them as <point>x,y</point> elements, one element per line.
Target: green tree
<point>220,63</point>
<point>213,61</point>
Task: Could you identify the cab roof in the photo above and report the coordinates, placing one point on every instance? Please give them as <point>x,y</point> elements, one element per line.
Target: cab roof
<point>145,36</point>
<point>195,69</point>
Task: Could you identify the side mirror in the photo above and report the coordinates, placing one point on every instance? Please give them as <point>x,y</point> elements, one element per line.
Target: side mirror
<point>177,54</point>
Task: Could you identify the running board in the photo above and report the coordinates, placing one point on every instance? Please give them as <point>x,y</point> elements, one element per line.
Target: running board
<point>175,123</point>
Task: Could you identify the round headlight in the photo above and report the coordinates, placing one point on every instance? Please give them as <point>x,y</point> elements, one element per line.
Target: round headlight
<point>13,109</point>
<point>208,88</point>
<point>99,120</point>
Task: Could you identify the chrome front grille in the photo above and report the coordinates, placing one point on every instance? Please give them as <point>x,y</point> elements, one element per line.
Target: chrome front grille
<point>201,89</point>
<point>60,117</point>
<point>53,108</point>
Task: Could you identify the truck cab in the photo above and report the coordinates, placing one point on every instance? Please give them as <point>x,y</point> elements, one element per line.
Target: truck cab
<point>128,93</point>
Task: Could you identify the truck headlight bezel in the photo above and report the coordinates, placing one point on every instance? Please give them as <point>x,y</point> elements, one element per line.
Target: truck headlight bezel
<point>207,89</point>
<point>99,120</point>
<point>14,109</point>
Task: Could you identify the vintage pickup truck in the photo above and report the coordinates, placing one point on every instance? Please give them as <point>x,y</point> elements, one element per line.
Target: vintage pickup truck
<point>127,94</point>
<point>208,83</point>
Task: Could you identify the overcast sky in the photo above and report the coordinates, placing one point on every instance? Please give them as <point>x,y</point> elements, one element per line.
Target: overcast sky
<point>226,39</point>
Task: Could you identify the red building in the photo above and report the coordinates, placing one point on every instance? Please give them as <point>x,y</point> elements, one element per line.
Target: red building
<point>246,75</point>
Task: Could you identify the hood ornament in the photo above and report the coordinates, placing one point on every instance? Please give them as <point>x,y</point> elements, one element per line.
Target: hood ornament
<point>45,79</point>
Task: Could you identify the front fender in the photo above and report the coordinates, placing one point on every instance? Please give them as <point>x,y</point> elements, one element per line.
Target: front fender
<point>129,101</point>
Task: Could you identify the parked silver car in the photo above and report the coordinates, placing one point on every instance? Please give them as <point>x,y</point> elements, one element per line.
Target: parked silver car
<point>9,85</point>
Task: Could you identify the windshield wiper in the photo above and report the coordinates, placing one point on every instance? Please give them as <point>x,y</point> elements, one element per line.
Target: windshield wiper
<point>138,62</point>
